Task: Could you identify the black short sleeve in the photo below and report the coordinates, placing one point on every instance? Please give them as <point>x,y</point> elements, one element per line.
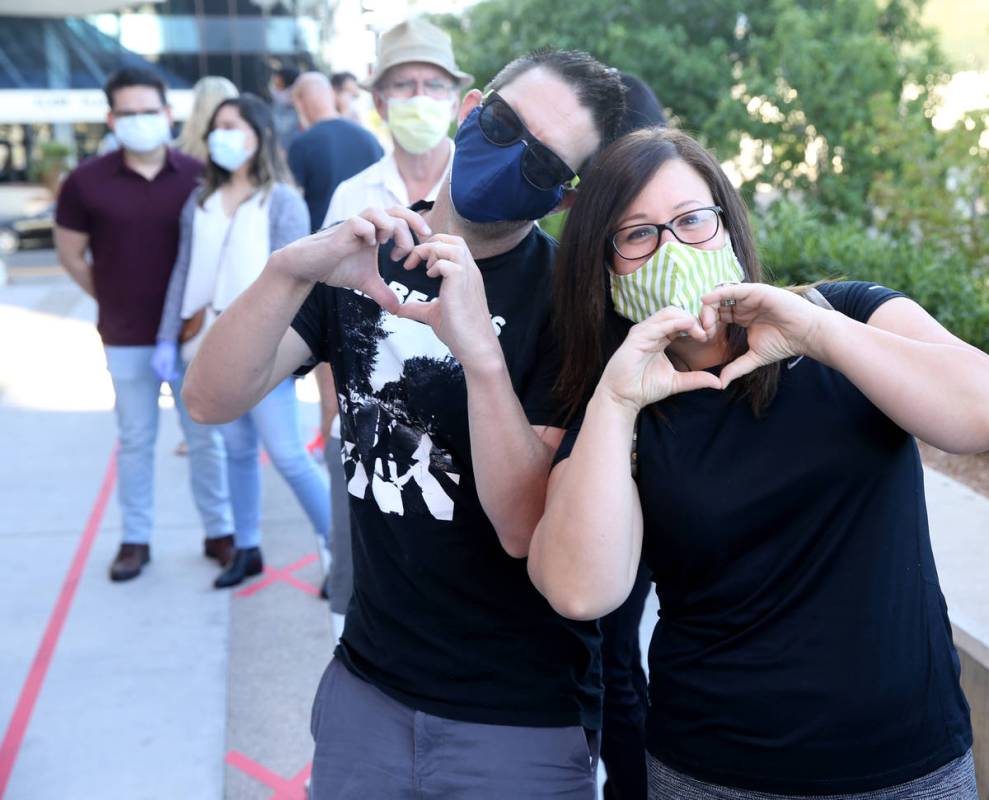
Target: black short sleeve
<point>538,398</point>
<point>312,324</point>
<point>569,440</point>
<point>857,299</point>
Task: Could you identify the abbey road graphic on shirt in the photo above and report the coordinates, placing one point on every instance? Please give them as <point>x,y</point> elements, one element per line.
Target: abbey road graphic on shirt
<point>402,378</point>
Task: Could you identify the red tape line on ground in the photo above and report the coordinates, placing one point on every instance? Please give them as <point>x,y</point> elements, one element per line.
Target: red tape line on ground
<point>42,660</point>
<point>291,789</point>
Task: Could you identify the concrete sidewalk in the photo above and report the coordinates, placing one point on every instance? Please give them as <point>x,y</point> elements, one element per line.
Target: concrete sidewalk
<point>157,688</point>
<point>163,687</point>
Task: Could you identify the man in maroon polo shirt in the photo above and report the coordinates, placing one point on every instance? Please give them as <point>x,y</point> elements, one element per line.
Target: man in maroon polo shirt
<point>117,235</point>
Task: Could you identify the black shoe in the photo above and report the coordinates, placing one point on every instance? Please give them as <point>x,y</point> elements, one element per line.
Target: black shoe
<point>220,549</point>
<point>129,562</point>
<point>245,562</point>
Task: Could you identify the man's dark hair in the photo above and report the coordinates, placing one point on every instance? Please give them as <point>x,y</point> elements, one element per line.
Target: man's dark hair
<point>338,79</point>
<point>134,76</point>
<point>599,88</point>
<point>642,107</point>
<point>287,75</point>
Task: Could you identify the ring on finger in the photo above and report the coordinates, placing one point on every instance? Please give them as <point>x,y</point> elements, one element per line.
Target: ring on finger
<point>728,302</point>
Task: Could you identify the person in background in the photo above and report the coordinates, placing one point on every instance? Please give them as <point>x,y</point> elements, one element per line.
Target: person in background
<point>123,208</point>
<point>756,446</point>
<point>245,210</point>
<point>287,124</point>
<point>345,93</point>
<point>626,696</point>
<point>416,87</point>
<point>330,150</point>
<point>207,94</point>
<point>642,107</point>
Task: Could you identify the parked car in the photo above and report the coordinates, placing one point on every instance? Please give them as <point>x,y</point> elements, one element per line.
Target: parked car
<point>27,231</point>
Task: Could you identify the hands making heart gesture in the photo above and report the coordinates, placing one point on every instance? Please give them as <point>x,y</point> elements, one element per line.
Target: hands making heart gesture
<point>346,255</point>
<point>779,323</point>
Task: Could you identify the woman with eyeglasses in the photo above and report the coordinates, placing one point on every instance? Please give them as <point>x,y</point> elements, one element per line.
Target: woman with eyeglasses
<point>758,449</point>
<point>245,209</point>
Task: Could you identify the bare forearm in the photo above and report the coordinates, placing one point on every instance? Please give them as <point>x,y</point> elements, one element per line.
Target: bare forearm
<point>585,551</point>
<point>234,366</point>
<point>80,270</point>
<point>937,392</point>
<point>511,463</point>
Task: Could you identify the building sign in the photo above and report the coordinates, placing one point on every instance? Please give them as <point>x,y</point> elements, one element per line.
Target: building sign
<point>35,106</point>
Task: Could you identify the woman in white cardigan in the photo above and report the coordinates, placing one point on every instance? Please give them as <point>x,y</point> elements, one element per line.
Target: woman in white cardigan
<point>244,211</point>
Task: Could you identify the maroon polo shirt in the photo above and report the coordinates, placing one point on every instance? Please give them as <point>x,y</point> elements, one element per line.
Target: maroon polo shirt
<point>133,228</point>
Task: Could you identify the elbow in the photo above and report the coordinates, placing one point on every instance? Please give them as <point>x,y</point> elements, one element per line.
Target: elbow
<point>517,546</point>
<point>572,603</point>
<point>198,406</point>
<point>567,598</point>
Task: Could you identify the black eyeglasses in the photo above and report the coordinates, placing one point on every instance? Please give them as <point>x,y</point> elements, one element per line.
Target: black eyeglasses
<point>541,167</point>
<point>696,226</point>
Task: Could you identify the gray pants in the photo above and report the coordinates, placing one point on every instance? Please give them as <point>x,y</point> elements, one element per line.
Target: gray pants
<point>954,781</point>
<point>341,582</point>
<point>369,746</point>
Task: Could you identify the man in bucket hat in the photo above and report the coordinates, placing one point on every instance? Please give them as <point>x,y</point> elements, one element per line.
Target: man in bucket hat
<point>416,87</point>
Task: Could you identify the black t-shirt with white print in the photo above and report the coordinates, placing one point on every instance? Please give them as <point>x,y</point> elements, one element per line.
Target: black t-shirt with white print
<point>441,618</point>
<point>803,645</point>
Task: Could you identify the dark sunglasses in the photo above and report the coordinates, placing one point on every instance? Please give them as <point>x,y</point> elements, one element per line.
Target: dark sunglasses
<point>541,167</point>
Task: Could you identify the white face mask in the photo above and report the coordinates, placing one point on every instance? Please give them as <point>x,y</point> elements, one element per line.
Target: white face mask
<point>675,275</point>
<point>227,148</point>
<point>419,123</point>
<point>142,133</point>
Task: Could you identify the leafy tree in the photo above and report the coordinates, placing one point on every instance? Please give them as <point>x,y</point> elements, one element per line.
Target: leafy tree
<point>805,84</point>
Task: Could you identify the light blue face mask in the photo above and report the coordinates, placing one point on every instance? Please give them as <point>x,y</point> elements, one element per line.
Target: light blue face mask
<point>227,148</point>
<point>141,133</point>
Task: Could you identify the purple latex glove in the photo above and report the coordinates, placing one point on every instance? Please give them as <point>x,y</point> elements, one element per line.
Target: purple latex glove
<point>163,360</point>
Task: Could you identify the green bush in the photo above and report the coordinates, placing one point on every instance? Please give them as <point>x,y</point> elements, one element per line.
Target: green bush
<point>797,247</point>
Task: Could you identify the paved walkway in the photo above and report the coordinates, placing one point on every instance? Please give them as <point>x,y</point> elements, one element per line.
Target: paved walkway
<point>164,688</point>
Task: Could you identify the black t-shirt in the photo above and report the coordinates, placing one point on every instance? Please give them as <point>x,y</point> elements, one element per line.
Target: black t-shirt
<point>442,619</point>
<point>803,645</point>
<point>326,155</point>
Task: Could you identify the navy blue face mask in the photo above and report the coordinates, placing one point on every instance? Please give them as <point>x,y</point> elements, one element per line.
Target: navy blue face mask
<point>486,181</point>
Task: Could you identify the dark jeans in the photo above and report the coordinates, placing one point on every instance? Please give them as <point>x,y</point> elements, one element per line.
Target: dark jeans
<point>623,735</point>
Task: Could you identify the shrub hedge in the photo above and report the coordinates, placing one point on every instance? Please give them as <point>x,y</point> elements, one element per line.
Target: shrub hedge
<point>797,247</point>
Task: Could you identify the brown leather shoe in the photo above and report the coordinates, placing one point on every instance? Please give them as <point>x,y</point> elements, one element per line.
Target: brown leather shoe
<point>130,559</point>
<point>220,549</point>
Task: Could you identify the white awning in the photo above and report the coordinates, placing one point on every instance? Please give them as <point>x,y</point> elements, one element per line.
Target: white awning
<point>35,106</point>
<point>64,8</point>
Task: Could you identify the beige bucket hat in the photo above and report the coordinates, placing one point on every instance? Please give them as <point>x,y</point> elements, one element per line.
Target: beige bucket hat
<point>416,39</point>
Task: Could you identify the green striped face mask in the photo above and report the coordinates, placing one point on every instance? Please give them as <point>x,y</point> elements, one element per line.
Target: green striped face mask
<point>676,275</point>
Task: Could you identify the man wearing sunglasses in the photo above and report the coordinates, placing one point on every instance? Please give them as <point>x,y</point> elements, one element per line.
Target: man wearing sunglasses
<point>453,677</point>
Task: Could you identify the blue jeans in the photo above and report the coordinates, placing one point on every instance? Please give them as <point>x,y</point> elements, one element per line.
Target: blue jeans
<point>137,388</point>
<point>274,422</point>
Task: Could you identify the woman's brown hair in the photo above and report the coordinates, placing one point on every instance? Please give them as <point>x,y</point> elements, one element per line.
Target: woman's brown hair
<point>587,328</point>
<point>267,164</point>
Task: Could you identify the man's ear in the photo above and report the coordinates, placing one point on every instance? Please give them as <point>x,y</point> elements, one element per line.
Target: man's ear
<point>471,101</point>
<point>110,120</point>
<point>380,105</point>
<point>169,116</point>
